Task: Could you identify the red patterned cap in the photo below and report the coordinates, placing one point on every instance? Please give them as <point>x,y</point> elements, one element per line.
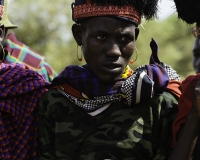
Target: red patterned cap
<point>85,8</point>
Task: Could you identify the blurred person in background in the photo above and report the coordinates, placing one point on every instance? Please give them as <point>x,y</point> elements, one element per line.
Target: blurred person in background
<point>186,127</point>
<point>196,52</point>
<point>20,89</point>
<point>17,52</point>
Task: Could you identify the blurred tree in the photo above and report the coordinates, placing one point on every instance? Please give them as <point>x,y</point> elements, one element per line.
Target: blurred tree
<point>46,27</point>
<point>175,44</point>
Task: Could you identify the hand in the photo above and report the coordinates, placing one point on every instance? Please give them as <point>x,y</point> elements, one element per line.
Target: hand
<point>196,101</point>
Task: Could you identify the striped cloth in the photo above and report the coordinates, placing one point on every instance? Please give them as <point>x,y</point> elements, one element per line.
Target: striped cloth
<point>20,88</point>
<point>20,53</point>
<point>84,89</point>
<point>96,95</point>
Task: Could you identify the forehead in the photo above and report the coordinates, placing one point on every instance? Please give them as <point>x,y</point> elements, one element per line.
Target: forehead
<point>108,24</point>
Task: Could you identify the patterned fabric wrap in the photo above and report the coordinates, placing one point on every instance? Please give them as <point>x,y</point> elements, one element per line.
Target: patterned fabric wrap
<point>136,88</point>
<point>172,74</point>
<point>20,88</point>
<point>20,53</point>
<point>155,60</point>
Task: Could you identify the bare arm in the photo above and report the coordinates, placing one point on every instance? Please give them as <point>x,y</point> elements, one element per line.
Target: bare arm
<point>189,132</point>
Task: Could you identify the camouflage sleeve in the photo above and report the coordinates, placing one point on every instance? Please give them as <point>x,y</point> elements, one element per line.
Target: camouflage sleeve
<point>46,130</point>
<point>162,139</point>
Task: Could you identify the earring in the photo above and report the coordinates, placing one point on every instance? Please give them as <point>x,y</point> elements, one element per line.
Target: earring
<point>2,32</point>
<point>132,61</point>
<point>80,59</point>
<point>3,57</point>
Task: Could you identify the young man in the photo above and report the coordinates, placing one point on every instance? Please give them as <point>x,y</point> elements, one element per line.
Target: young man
<point>104,110</point>
<point>186,127</point>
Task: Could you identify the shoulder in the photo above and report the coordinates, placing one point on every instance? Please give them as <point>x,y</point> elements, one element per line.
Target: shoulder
<point>167,96</point>
<point>165,103</point>
<point>52,93</point>
<point>53,96</point>
<point>52,101</point>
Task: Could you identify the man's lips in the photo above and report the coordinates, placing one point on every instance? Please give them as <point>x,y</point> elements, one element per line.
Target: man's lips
<point>111,67</point>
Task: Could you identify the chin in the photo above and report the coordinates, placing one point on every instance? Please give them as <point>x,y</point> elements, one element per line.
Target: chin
<point>197,71</point>
<point>109,79</point>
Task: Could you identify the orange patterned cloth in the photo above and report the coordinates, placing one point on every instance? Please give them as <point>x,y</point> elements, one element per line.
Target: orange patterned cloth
<point>174,88</point>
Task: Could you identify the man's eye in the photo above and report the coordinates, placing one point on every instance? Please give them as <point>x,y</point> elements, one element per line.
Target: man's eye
<point>101,37</point>
<point>126,39</point>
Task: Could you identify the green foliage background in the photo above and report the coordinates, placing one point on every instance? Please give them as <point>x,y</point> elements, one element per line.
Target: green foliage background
<point>46,27</point>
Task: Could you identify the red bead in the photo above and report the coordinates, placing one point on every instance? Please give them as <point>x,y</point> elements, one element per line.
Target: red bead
<point>131,62</point>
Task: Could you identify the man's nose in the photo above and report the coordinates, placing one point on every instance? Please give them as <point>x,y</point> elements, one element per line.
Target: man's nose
<point>114,50</point>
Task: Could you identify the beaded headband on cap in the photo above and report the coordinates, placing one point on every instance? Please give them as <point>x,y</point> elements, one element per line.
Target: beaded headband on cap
<point>84,9</point>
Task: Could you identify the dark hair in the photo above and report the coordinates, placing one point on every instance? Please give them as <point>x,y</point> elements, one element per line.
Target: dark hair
<point>147,8</point>
<point>188,10</point>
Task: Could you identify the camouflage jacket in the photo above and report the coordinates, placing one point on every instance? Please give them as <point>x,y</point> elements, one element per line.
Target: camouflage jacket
<point>140,132</point>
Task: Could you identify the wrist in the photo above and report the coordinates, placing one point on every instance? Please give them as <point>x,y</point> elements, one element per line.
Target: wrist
<point>193,119</point>
<point>194,114</point>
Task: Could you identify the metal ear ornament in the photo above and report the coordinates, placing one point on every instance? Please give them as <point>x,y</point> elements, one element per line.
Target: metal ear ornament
<point>80,59</point>
<point>132,61</point>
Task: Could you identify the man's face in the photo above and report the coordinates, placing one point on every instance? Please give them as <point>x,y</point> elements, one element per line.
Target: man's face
<point>107,45</point>
<point>196,56</point>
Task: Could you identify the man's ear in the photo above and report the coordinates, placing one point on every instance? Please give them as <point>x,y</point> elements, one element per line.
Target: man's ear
<point>137,31</point>
<point>77,33</point>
